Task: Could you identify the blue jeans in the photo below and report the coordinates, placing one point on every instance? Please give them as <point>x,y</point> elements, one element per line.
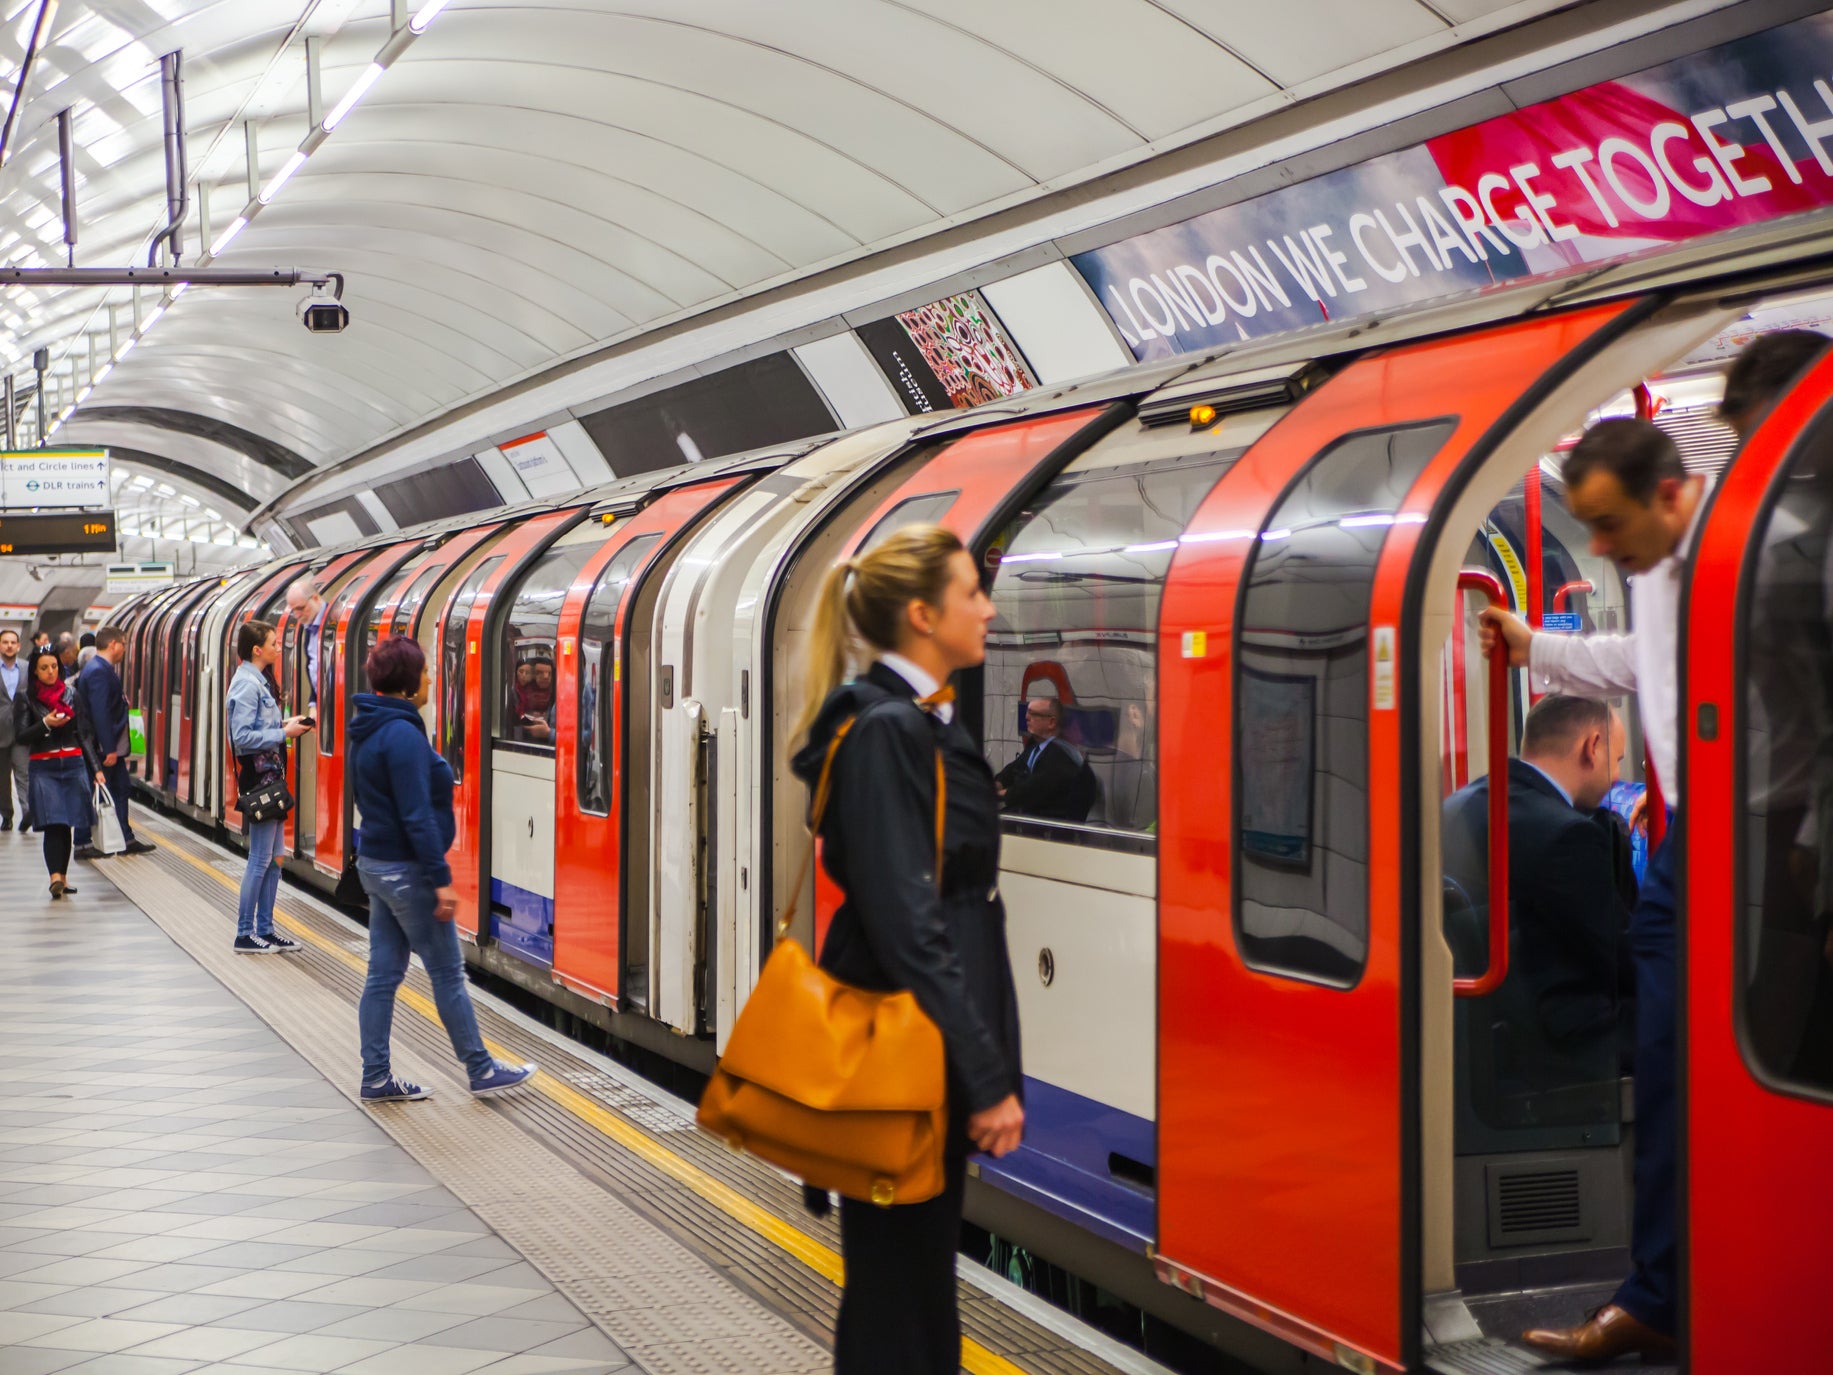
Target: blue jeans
<point>401,920</point>
<point>1652,1292</point>
<point>254,913</point>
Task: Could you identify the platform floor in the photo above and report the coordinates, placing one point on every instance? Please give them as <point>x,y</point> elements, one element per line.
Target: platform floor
<point>188,1184</point>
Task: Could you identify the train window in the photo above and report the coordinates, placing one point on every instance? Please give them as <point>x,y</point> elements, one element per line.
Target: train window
<point>327,665</point>
<point>526,654</point>
<point>598,670</point>
<point>452,661</point>
<point>1302,697</point>
<point>1785,950</point>
<point>372,626</point>
<point>407,613</point>
<point>1072,661</point>
<point>920,510</point>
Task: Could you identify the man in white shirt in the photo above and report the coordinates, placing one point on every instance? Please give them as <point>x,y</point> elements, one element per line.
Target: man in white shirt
<point>1626,481</point>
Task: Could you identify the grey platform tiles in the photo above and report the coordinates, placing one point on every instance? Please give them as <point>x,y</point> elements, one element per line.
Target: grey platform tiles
<point>181,1191</point>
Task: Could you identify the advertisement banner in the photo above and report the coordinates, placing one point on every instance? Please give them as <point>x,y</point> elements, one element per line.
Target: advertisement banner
<point>948,354</point>
<point>1740,134</point>
<point>53,477</point>
<point>541,466</point>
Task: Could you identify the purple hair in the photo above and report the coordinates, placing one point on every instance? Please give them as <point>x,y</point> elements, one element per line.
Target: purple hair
<point>395,665</point>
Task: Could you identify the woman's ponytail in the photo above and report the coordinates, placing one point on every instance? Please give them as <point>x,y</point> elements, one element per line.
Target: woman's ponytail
<point>826,662</point>
<point>867,596</point>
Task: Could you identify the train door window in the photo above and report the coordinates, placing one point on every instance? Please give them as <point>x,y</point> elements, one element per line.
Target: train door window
<point>1302,697</point>
<point>407,614</point>
<point>452,663</point>
<point>918,510</point>
<point>1071,677</point>
<point>1784,958</point>
<point>525,703</point>
<point>598,669</point>
<point>194,640</point>
<point>327,665</point>
<point>379,609</point>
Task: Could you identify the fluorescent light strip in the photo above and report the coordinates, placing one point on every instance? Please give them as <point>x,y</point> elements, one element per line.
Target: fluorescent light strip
<point>426,14</point>
<point>127,347</point>
<point>153,317</point>
<point>272,189</point>
<point>236,226</point>
<point>371,74</point>
<point>101,372</point>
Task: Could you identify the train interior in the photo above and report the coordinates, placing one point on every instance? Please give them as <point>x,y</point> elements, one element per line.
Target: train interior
<point>1542,1105</point>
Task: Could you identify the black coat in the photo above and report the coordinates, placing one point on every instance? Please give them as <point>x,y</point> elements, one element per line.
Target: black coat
<point>1061,788</point>
<point>30,730</point>
<point>895,930</point>
<point>1571,890</point>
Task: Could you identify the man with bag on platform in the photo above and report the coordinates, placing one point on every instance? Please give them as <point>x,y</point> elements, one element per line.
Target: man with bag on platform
<point>102,719</point>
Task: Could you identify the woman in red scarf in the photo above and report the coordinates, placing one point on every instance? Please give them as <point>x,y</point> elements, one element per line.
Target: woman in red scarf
<point>44,720</point>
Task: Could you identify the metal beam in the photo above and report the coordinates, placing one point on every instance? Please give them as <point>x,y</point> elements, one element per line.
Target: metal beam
<point>168,276</point>
<point>41,34</point>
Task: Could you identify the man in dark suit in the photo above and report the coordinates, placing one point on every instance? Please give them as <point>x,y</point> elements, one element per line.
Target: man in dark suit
<point>102,717</point>
<point>1570,886</point>
<point>1049,778</point>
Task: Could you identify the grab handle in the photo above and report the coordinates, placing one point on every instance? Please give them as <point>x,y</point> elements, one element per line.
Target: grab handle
<point>1475,580</point>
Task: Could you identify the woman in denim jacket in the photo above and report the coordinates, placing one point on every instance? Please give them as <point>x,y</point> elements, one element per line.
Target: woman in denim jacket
<point>258,736</point>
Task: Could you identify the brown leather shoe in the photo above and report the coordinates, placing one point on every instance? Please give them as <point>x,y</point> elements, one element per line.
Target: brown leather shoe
<point>1609,1333</point>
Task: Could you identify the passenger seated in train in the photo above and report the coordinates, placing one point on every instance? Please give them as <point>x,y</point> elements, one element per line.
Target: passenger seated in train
<point>1571,885</point>
<point>1050,778</point>
<point>533,701</point>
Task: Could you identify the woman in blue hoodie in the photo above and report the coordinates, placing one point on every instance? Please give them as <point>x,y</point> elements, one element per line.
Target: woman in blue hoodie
<point>258,735</point>
<point>404,794</point>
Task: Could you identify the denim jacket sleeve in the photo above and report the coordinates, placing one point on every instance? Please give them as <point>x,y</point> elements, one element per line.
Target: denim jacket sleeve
<point>248,732</point>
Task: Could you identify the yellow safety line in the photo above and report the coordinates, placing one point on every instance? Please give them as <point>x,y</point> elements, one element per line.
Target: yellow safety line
<point>818,1256</point>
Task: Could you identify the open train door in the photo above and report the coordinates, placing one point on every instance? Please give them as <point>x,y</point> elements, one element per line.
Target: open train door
<point>1758,961</point>
<point>1295,1179</point>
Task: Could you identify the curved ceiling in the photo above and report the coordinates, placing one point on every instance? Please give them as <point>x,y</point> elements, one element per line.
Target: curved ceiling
<point>530,181</point>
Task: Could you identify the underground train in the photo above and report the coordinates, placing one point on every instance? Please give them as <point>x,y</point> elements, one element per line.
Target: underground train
<point>1265,1102</point>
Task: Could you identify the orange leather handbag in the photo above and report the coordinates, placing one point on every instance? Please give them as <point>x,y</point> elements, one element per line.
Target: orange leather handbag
<point>841,1087</point>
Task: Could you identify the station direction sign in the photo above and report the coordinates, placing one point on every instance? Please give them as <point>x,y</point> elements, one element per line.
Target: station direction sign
<point>39,478</point>
<point>139,577</point>
<point>57,532</point>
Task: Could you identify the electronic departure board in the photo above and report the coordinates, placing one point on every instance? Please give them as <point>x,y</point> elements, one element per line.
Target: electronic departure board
<point>73,532</point>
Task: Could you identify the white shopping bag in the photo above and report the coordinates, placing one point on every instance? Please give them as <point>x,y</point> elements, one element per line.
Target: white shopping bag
<point>108,837</point>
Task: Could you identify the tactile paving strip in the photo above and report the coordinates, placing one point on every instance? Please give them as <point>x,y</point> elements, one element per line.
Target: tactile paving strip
<point>806,1294</point>
<point>587,1240</point>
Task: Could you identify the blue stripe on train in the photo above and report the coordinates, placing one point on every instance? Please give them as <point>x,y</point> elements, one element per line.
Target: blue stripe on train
<point>1066,1165</point>
<point>528,929</point>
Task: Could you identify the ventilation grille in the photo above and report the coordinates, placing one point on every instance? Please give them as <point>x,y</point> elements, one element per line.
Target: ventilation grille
<point>1536,1204</point>
<point>1706,443</point>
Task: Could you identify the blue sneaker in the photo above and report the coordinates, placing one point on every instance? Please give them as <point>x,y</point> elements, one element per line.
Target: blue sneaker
<point>393,1090</point>
<point>501,1079</point>
<point>253,945</point>
<point>280,945</point>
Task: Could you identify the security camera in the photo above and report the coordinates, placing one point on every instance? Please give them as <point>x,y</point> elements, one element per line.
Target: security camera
<point>323,313</point>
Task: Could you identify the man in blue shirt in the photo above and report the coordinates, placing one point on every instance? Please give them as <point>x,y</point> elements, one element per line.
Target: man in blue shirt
<point>102,717</point>
<point>303,600</point>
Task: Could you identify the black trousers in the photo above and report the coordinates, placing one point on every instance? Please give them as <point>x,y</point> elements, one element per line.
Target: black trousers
<point>57,849</point>
<point>897,1310</point>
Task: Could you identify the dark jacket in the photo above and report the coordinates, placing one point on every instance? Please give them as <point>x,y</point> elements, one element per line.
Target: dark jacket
<point>1570,897</point>
<point>895,930</point>
<point>1061,788</point>
<point>30,730</point>
<point>403,786</point>
<point>101,707</point>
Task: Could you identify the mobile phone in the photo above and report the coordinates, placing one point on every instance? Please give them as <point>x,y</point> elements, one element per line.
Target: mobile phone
<point>310,721</point>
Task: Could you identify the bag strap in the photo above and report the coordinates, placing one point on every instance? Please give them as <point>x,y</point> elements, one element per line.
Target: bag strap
<point>822,787</point>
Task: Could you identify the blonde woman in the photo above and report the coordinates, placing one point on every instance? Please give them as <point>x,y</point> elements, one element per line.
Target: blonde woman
<point>915,605</point>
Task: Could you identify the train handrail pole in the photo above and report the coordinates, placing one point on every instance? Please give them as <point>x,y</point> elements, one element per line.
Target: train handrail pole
<point>1476,580</point>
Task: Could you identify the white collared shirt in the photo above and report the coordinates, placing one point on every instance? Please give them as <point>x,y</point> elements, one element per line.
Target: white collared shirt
<point>1646,661</point>
<point>918,679</point>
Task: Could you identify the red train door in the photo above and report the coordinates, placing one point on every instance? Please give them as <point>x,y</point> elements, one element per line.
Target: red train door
<point>342,630</point>
<point>1289,1095</point>
<point>589,758</point>
<point>1758,965</point>
<point>303,694</point>
<point>470,801</point>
